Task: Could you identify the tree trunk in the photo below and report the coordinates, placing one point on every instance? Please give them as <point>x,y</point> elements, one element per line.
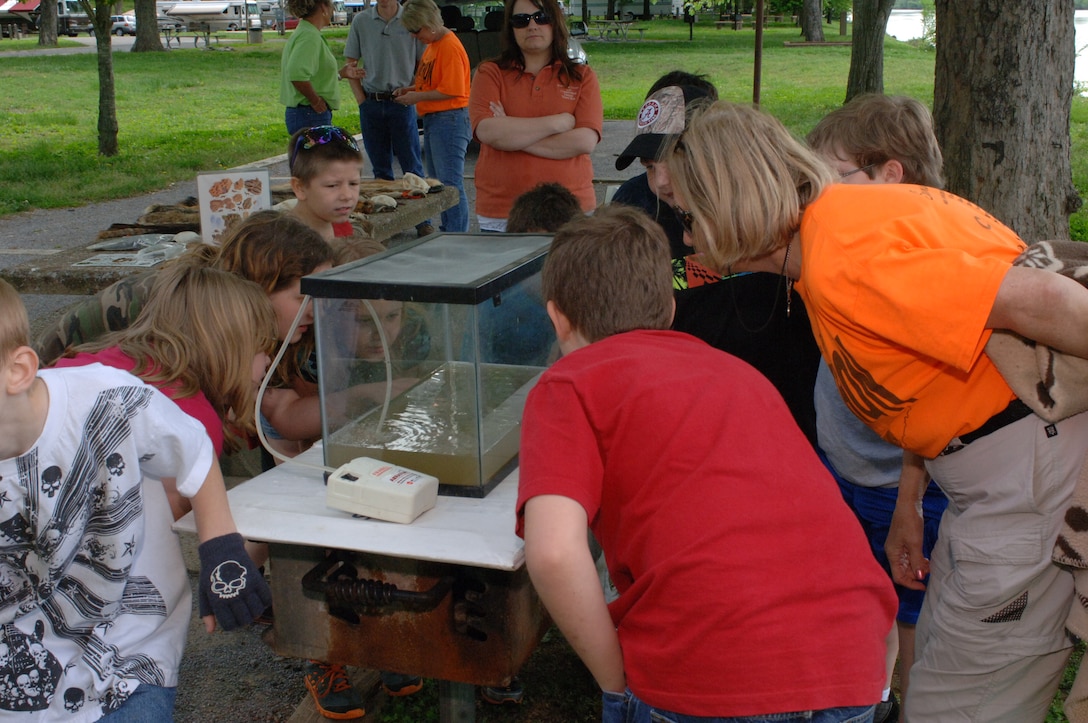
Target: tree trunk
<point>585,11</point>
<point>1002,94</point>
<point>867,47</point>
<point>646,10</point>
<point>812,21</point>
<point>47,25</point>
<point>147,27</point>
<point>99,13</point>
<point>610,11</point>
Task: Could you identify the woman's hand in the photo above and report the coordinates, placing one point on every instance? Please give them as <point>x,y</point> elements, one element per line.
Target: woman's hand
<point>350,71</point>
<point>497,110</point>
<point>406,96</point>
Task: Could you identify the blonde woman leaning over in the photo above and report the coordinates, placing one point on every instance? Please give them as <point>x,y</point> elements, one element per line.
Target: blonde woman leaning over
<point>904,285</point>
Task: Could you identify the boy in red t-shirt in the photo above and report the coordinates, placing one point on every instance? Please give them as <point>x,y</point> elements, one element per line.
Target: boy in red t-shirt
<point>740,593</point>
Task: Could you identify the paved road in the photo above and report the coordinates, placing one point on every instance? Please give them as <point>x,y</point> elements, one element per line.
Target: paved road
<point>87,45</point>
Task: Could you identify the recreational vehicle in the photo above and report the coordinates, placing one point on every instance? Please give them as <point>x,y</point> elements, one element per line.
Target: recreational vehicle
<point>71,20</point>
<point>211,15</point>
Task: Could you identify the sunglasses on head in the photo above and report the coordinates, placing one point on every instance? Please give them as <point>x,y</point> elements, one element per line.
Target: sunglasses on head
<point>521,20</point>
<point>319,136</point>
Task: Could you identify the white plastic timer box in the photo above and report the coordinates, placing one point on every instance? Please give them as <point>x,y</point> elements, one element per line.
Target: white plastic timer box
<point>383,491</point>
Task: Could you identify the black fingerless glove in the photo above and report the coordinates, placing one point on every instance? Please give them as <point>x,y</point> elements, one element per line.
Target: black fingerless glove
<point>230,584</point>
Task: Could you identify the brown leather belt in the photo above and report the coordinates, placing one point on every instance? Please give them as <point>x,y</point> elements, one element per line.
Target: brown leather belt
<point>379,96</point>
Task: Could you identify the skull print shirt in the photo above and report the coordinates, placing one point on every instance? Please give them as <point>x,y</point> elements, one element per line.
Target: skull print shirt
<point>94,598</point>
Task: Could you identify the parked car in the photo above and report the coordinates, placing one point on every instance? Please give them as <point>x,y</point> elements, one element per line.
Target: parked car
<point>123,25</point>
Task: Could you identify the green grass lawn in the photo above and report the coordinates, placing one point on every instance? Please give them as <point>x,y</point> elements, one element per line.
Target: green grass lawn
<point>31,43</point>
<point>190,110</point>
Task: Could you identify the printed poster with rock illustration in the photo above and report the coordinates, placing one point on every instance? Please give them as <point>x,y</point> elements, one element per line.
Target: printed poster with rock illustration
<point>227,197</point>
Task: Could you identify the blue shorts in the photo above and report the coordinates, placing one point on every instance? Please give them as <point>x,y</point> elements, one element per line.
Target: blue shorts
<point>873,507</point>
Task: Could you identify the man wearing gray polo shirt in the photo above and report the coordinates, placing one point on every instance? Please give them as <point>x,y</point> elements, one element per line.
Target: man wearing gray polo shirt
<point>389,54</point>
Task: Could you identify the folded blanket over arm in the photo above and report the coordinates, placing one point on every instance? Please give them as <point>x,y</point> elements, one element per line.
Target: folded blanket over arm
<point>1055,386</point>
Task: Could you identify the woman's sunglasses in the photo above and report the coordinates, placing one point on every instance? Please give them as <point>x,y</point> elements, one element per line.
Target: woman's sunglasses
<point>521,20</point>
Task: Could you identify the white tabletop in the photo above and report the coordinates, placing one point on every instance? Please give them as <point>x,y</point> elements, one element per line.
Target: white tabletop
<point>287,505</point>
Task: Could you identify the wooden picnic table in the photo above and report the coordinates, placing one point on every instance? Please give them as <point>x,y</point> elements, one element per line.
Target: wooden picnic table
<point>58,274</point>
<point>174,35</point>
<point>619,28</point>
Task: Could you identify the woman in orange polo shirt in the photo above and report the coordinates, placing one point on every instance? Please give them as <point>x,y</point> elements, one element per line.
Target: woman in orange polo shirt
<point>440,96</point>
<point>536,113</point>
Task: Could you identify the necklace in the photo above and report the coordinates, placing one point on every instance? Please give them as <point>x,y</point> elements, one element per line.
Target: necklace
<point>789,281</point>
<point>732,279</point>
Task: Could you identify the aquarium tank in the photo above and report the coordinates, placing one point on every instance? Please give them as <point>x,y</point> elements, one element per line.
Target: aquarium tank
<point>425,354</point>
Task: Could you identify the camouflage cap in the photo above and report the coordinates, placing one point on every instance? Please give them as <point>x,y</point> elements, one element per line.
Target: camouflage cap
<point>660,120</point>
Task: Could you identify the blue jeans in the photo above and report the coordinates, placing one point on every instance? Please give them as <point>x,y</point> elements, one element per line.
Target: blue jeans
<point>147,703</point>
<point>628,708</point>
<point>390,128</point>
<point>873,506</point>
<point>446,134</point>
<point>303,116</point>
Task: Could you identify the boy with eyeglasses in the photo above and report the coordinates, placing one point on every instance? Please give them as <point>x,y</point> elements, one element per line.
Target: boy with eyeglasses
<point>878,139</point>
<point>94,597</point>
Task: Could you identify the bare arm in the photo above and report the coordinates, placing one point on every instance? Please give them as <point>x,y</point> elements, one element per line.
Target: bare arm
<point>507,133</point>
<point>904,543</point>
<point>298,416</point>
<point>355,80</point>
<point>408,96</point>
<point>1043,306</point>
<point>565,145</point>
<point>179,506</point>
<point>211,513</point>
<point>562,570</point>
<point>293,416</point>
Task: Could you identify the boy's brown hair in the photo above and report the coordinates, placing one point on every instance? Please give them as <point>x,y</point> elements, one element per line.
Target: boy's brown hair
<point>610,273</point>
<point>543,208</point>
<point>14,326</point>
<point>311,149</point>
<point>873,129</point>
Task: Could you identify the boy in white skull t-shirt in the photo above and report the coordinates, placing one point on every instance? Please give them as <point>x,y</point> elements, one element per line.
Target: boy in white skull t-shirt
<point>94,596</point>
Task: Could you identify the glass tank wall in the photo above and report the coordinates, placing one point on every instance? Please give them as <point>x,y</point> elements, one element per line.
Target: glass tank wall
<point>427,352</point>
